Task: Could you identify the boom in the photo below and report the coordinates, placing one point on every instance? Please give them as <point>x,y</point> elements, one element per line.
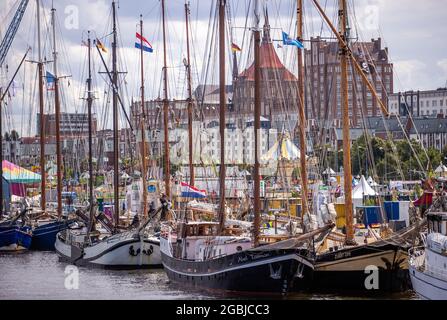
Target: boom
<point>12,30</point>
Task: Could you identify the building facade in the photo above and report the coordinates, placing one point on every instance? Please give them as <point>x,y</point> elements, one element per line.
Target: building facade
<point>71,124</point>
<point>419,103</point>
<point>323,82</point>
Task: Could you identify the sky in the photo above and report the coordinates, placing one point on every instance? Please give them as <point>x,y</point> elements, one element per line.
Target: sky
<point>414,31</point>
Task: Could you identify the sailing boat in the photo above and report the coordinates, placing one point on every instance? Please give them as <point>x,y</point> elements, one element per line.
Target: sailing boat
<point>136,248</point>
<point>15,235</point>
<point>45,227</point>
<point>205,254</point>
<point>342,263</point>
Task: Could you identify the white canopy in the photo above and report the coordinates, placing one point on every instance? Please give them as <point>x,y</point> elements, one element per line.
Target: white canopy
<point>441,169</point>
<point>329,171</point>
<point>283,149</point>
<point>371,182</point>
<point>363,189</point>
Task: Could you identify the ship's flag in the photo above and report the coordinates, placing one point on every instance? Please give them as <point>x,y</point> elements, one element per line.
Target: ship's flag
<point>101,46</point>
<point>146,45</point>
<point>50,81</point>
<point>287,41</point>
<point>192,192</point>
<point>235,48</point>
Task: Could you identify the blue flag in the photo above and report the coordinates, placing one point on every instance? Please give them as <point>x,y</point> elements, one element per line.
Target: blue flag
<point>287,41</point>
<point>50,81</point>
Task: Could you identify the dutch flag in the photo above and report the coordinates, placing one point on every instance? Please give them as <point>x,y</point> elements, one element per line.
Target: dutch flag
<point>146,45</point>
<point>192,192</point>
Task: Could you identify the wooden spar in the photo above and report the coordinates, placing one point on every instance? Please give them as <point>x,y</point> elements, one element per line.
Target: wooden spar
<point>41,110</point>
<point>346,124</point>
<point>166,109</point>
<point>115,121</point>
<point>57,116</point>
<point>143,124</point>
<point>357,67</point>
<point>302,115</point>
<point>190,103</point>
<point>222,106</point>
<point>257,134</point>
<point>90,134</point>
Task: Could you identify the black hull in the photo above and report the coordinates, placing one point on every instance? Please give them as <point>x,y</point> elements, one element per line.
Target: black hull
<point>248,271</point>
<point>345,270</point>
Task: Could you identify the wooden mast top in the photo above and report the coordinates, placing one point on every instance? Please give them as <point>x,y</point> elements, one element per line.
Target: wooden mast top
<point>257,129</point>
<point>346,123</point>
<point>41,110</point>
<point>222,106</point>
<point>90,133</point>
<point>143,124</point>
<point>57,118</point>
<point>115,120</point>
<point>190,102</point>
<point>167,174</point>
<point>302,114</point>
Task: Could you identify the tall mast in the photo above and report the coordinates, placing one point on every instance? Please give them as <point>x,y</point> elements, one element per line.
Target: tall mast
<point>345,111</point>
<point>257,128</point>
<point>143,123</point>
<point>58,118</point>
<point>115,120</point>
<point>188,69</point>
<point>165,109</point>
<point>222,106</point>
<point>302,115</point>
<point>41,109</point>
<point>90,134</point>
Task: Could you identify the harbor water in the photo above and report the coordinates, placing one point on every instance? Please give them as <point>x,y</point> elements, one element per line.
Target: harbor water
<point>40,275</point>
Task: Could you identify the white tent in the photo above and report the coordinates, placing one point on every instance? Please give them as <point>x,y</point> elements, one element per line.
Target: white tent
<point>283,149</point>
<point>363,189</point>
<point>371,182</point>
<point>329,171</point>
<point>441,169</point>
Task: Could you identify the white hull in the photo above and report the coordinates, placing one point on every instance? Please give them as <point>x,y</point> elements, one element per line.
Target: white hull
<point>427,286</point>
<point>119,251</point>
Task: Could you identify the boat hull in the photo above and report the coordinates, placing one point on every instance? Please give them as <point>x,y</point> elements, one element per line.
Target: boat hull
<point>427,286</point>
<point>246,271</point>
<point>364,268</point>
<point>115,253</point>
<point>44,237</point>
<point>15,238</point>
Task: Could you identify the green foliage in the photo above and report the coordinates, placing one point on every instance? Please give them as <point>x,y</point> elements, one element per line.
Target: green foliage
<point>387,161</point>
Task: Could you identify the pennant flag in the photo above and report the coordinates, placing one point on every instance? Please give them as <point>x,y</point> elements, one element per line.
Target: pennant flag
<point>235,48</point>
<point>101,46</point>
<point>146,45</point>
<point>50,81</point>
<point>192,192</point>
<point>287,41</point>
